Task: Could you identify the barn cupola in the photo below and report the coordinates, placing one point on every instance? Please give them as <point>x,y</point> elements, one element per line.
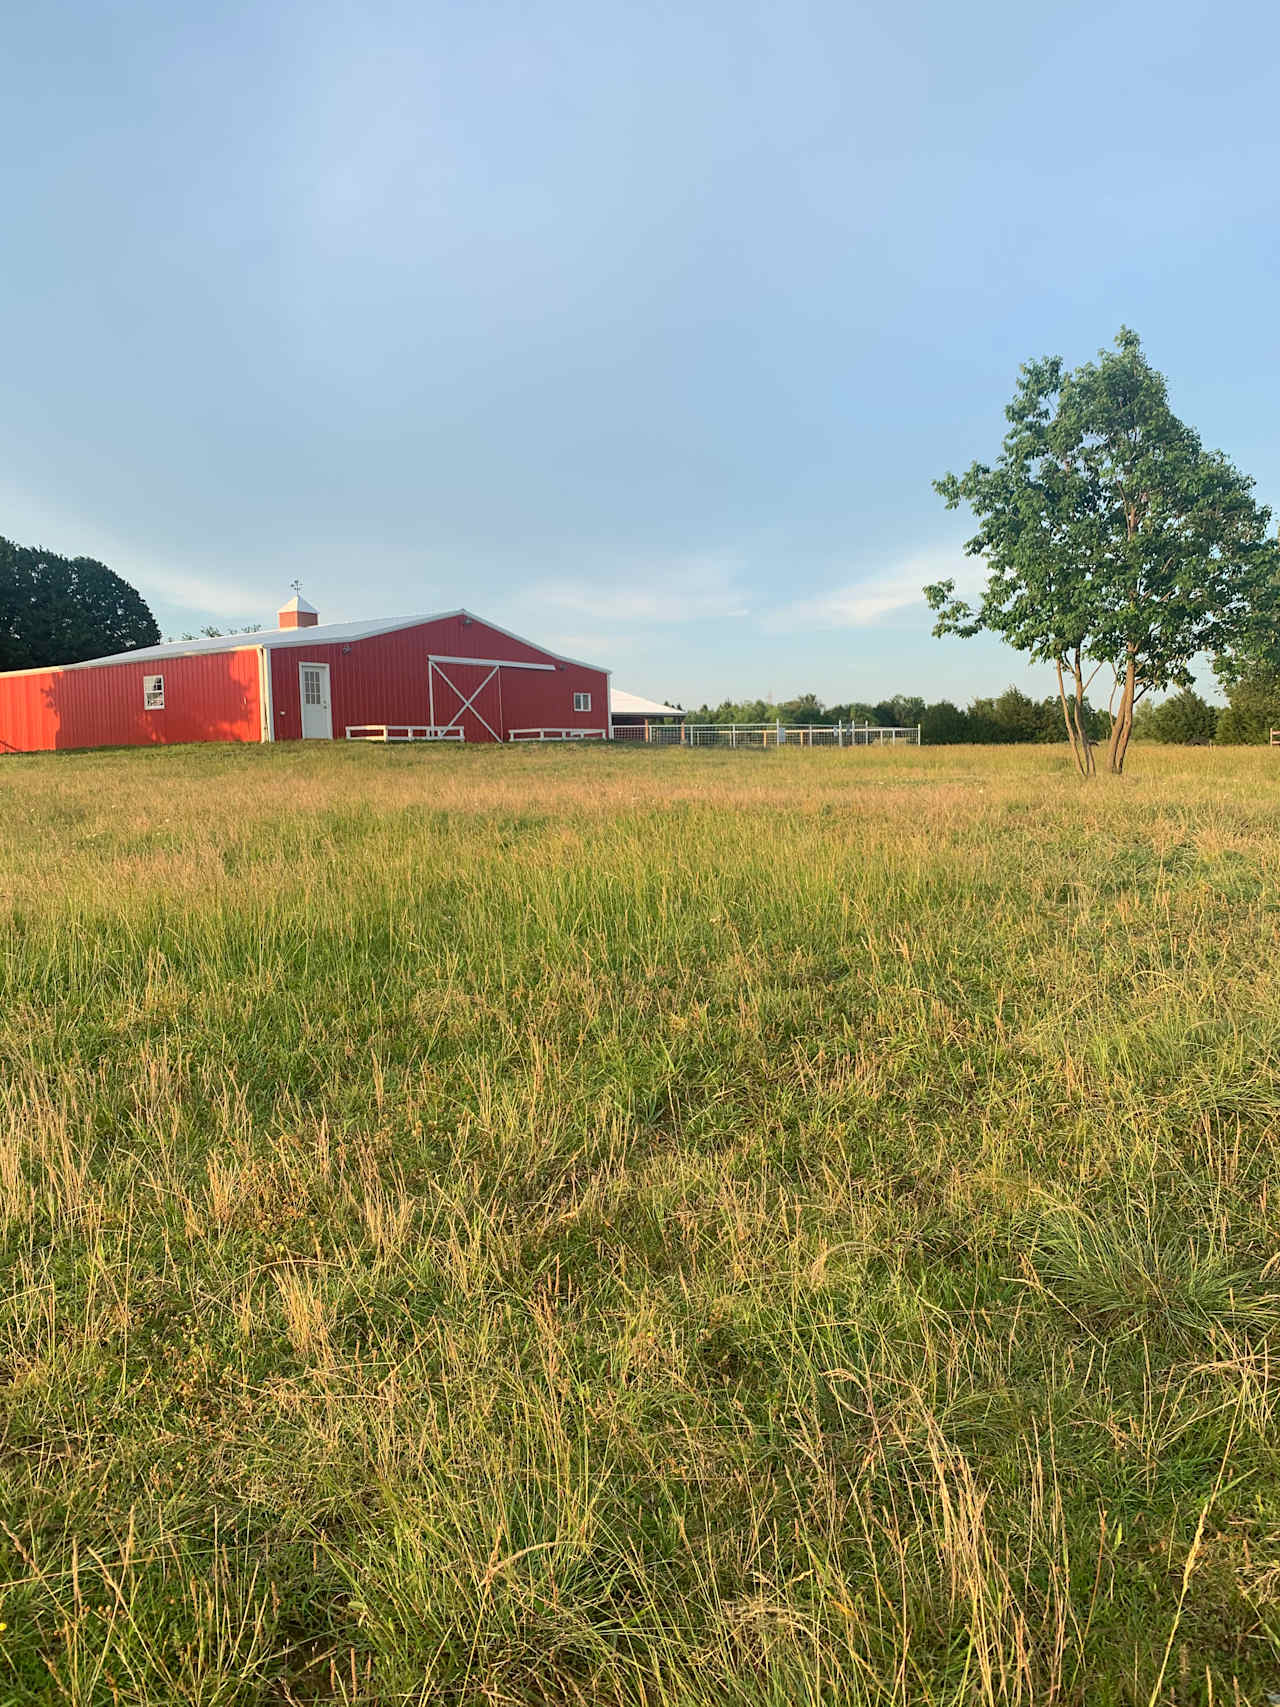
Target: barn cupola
<point>298,614</point>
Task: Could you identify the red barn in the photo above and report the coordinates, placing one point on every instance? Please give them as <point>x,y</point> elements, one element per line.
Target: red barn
<point>450,677</point>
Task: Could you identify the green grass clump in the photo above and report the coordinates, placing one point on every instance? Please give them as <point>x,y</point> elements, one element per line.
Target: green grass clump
<point>638,1227</point>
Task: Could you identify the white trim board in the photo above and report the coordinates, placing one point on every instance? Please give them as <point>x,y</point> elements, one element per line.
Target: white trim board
<point>266,700</point>
<point>497,663</point>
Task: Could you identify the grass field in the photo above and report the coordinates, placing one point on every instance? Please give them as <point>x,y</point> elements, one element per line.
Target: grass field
<point>589,1227</point>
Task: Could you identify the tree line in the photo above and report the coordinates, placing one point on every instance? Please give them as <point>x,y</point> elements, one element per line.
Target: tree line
<point>1251,713</point>
<point>1010,716</point>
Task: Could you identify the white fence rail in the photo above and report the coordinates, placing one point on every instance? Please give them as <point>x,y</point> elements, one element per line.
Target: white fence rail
<point>773,735</point>
<point>555,734</point>
<point>402,732</point>
<point>672,734</point>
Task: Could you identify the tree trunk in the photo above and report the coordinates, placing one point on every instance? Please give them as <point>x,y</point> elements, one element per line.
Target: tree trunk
<point>1073,717</point>
<point>1066,718</point>
<point>1082,726</point>
<point>1122,724</point>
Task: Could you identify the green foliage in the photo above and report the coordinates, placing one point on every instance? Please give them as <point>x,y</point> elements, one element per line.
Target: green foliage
<point>805,708</point>
<point>944,724</point>
<point>906,710</point>
<point>1144,722</point>
<point>1255,653</point>
<point>1012,717</point>
<point>1252,710</point>
<point>1112,539</point>
<point>1009,717</point>
<point>737,711</point>
<point>1182,719</point>
<point>61,610</point>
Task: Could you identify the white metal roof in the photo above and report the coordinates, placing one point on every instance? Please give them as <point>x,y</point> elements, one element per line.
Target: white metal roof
<point>299,604</point>
<point>624,704</point>
<point>322,634</point>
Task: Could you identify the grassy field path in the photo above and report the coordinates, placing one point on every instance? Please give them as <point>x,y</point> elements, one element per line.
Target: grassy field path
<point>515,1226</point>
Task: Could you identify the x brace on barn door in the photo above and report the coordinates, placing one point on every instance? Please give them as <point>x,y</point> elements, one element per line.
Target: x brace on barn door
<point>468,703</point>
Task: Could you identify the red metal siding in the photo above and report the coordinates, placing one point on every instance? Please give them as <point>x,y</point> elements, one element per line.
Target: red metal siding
<point>531,700</point>
<point>470,695</point>
<point>384,680</point>
<point>215,696</point>
<point>208,697</point>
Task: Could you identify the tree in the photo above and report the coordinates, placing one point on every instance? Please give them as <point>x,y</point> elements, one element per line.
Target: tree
<point>943,724</point>
<point>1112,539</point>
<point>209,632</point>
<point>735,711</point>
<point>1018,715</point>
<point>984,726</point>
<point>804,708</point>
<point>1182,719</point>
<point>1012,716</point>
<point>61,610</point>
<point>1252,710</point>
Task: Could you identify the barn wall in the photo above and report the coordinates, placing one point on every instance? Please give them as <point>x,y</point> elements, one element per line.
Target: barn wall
<point>215,696</point>
<point>384,680</point>
<point>531,700</point>
<point>208,697</point>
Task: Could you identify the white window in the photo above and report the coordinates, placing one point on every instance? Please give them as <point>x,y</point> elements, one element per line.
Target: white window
<point>310,685</point>
<point>582,702</point>
<point>153,693</point>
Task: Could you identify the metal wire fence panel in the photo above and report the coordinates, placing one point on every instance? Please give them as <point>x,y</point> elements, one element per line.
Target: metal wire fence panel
<point>773,735</point>
<point>727,734</point>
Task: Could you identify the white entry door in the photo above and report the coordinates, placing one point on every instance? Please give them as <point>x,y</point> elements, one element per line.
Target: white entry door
<point>317,717</point>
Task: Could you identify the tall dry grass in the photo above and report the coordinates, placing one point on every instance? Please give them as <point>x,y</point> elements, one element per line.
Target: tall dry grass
<point>565,1226</point>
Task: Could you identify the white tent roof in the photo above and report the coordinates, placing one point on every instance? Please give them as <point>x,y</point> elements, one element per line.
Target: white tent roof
<point>624,704</point>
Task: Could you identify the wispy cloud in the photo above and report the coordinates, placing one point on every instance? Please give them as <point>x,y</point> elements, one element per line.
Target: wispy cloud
<point>200,591</point>
<point>868,600</point>
<point>697,588</point>
<point>209,594</point>
<point>594,647</point>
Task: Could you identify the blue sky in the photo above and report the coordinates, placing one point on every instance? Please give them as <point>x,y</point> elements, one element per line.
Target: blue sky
<point>640,328</point>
